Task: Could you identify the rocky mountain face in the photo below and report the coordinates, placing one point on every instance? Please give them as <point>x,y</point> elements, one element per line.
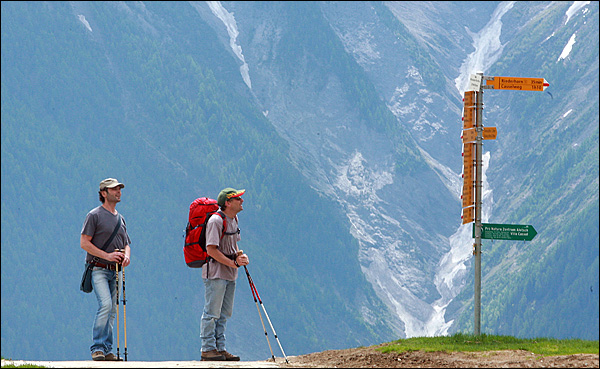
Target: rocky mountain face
<point>344,158</point>
<point>418,56</point>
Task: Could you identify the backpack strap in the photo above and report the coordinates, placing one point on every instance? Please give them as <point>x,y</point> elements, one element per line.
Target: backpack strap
<point>224,217</point>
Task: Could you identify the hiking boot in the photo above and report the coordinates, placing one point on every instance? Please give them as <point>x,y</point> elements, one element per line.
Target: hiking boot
<point>212,355</point>
<point>111,357</point>
<point>229,357</point>
<point>98,356</point>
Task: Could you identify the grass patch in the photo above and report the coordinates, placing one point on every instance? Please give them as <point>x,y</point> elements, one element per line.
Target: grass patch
<point>484,342</point>
<point>20,366</point>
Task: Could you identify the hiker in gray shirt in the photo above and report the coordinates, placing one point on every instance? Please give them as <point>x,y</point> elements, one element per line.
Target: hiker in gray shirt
<point>99,225</point>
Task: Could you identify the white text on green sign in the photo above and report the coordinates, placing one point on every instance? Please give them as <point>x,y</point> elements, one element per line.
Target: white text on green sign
<point>514,232</point>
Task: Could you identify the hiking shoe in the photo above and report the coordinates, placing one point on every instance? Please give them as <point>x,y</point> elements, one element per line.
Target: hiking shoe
<point>212,355</point>
<point>229,357</point>
<point>98,356</point>
<point>111,357</point>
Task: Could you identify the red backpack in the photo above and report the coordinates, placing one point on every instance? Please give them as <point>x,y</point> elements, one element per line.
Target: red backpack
<point>194,248</point>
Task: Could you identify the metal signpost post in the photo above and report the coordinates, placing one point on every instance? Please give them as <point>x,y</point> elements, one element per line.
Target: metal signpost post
<point>472,137</point>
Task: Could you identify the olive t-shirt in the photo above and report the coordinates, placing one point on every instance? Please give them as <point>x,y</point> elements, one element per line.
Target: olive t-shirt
<point>227,245</point>
<point>100,224</point>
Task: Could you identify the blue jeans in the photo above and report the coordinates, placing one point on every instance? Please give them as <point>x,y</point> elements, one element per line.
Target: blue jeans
<point>105,287</point>
<point>218,307</point>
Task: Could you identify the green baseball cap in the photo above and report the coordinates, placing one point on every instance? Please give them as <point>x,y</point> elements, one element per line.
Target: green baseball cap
<point>227,194</point>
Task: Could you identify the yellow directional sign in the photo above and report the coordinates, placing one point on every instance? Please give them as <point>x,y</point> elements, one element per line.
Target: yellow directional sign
<point>468,186</point>
<point>468,171</point>
<point>469,135</point>
<point>469,99</point>
<point>469,118</point>
<point>467,199</point>
<point>469,152</point>
<point>516,83</point>
<point>489,133</point>
<point>468,165</point>
<point>467,193</point>
<point>468,215</point>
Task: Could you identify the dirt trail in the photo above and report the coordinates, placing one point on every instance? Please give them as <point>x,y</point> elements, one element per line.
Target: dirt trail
<point>364,357</point>
<point>368,357</point>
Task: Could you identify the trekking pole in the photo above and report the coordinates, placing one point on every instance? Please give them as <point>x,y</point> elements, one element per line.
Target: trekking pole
<point>252,286</point>
<point>124,313</point>
<point>259,314</point>
<point>118,286</point>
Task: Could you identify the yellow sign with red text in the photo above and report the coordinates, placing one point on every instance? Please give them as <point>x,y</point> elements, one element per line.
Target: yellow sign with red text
<point>516,83</point>
<point>468,215</point>
<point>489,133</point>
<point>469,118</point>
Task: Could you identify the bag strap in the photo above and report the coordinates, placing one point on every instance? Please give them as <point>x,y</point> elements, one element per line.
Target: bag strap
<point>93,262</point>
<point>112,236</point>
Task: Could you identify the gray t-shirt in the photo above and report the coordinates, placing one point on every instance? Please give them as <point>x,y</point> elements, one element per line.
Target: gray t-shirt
<point>100,224</point>
<point>227,245</point>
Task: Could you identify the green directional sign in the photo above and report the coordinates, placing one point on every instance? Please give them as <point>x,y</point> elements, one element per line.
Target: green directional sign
<point>514,232</point>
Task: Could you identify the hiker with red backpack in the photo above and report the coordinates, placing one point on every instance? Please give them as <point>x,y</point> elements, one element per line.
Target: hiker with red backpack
<point>220,274</point>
